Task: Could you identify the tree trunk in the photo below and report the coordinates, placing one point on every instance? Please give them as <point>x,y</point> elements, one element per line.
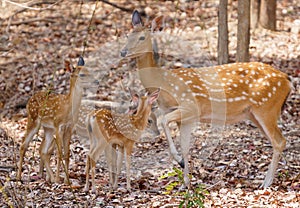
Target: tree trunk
<point>243,33</point>
<point>255,8</point>
<point>267,17</point>
<point>223,56</point>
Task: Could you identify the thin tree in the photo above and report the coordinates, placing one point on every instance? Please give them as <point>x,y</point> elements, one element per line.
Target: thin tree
<point>267,18</point>
<point>243,33</point>
<point>223,56</point>
<point>255,8</point>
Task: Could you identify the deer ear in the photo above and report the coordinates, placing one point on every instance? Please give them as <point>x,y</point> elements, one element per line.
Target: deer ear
<point>136,19</point>
<point>158,23</point>
<point>154,96</point>
<point>80,61</point>
<point>134,97</point>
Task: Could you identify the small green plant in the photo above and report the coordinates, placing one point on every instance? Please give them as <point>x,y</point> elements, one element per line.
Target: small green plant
<point>192,197</point>
<point>284,174</point>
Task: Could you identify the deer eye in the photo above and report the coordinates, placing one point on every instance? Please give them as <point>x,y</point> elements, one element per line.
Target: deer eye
<point>142,38</point>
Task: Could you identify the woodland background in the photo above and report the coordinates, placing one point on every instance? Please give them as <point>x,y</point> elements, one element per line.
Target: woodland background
<point>35,41</point>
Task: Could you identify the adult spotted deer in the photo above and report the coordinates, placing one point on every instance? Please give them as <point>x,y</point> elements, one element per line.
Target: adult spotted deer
<point>57,114</point>
<point>108,128</point>
<point>222,94</point>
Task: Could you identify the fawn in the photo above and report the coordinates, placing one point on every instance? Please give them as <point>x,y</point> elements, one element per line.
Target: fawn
<point>106,128</point>
<point>222,94</point>
<point>57,114</point>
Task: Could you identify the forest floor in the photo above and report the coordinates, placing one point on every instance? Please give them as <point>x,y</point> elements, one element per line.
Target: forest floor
<point>35,41</point>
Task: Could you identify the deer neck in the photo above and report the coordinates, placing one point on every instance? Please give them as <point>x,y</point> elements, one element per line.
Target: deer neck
<point>74,98</point>
<point>140,119</point>
<point>146,60</point>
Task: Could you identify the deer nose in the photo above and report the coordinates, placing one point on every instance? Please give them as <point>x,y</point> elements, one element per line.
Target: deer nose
<point>124,52</point>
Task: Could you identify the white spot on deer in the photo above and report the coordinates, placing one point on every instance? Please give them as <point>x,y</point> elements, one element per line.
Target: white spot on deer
<point>241,69</point>
<point>200,94</point>
<point>253,72</point>
<point>235,85</point>
<point>216,90</point>
<point>274,89</point>
<point>269,94</point>
<point>188,82</point>
<point>241,80</point>
<point>247,81</point>
<point>224,79</point>
<point>260,80</point>
<point>233,72</point>
<point>279,84</point>
<point>197,87</point>
<point>238,98</point>
<point>245,93</point>
<point>252,101</point>
<point>273,74</point>
<point>250,85</point>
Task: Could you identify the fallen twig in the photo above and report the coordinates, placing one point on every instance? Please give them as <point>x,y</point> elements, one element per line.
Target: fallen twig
<point>28,21</point>
<point>117,6</point>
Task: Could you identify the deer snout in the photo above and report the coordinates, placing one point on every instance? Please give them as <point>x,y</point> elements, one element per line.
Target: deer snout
<point>124,52</point>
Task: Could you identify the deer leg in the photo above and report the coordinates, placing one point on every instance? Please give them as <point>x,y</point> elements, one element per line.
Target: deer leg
<point>268,126</point>
<point>50,151</point>
<point>185,138</point>
<point>128,163</point>
<point>66,148</point>
<point>119,163</point>
<point>58,141</point>
<point>111,158</point>
<point>93,168</point>
<point>46,150</point>
<point>93,156</point>
<point>173,116</point>
<point>41,166</point>
<point>87,173</point>
<point>32,129</point>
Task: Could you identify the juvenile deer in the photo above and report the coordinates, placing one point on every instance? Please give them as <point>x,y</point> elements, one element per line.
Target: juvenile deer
<point>222,94</point>
<point>57,114</point>
<point>106,128</point>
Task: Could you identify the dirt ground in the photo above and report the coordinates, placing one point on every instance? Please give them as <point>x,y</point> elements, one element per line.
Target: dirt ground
<point>35,41</point>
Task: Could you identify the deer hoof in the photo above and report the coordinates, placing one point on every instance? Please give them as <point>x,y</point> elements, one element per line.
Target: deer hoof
<point>181,163</point>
